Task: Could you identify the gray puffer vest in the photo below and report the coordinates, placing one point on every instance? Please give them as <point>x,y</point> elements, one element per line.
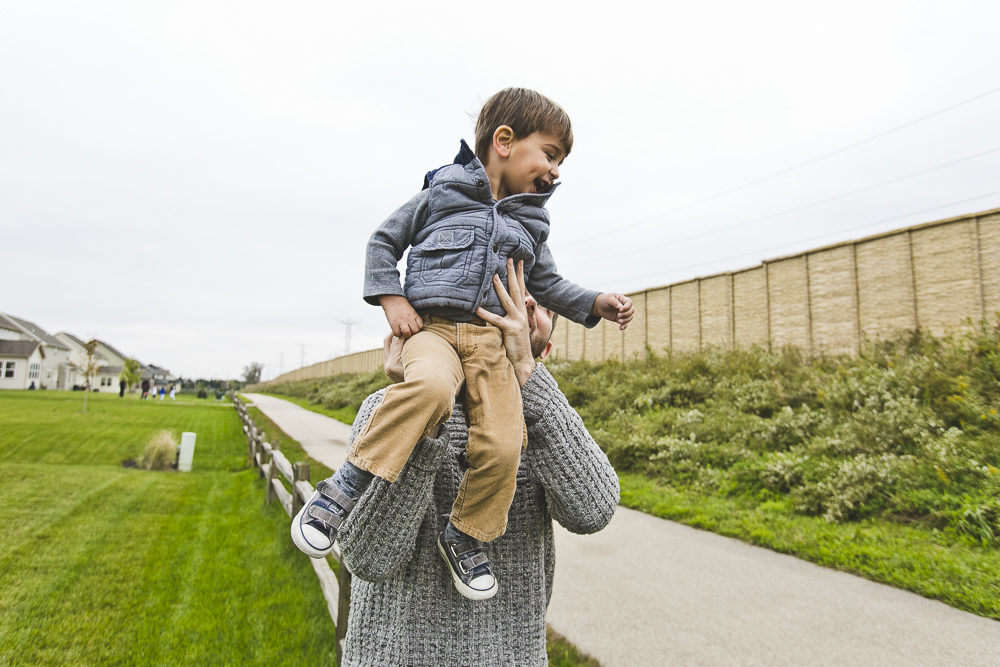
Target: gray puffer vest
<point>468,237</point>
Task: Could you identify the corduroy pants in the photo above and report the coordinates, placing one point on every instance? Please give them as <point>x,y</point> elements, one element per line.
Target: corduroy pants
<point>436,361</point>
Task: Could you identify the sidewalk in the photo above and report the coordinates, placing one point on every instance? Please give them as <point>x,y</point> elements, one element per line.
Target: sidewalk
<point>323,438</point>
<point>645,591</point>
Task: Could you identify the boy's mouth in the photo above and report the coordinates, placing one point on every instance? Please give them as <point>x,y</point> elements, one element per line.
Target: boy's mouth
<point>541,185</point>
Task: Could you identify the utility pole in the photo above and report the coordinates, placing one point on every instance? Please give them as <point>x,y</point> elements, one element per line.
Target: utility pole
<point>281,363</point>
<point>302,347</point>
<point>347,334</point>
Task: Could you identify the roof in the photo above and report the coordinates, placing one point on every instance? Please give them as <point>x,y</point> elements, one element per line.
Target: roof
<point>18,348</point>
<point>72,338</point>
<point>81,345</point>
<point>110,370</point>
<point>37,332</point>
<point>113,350</point>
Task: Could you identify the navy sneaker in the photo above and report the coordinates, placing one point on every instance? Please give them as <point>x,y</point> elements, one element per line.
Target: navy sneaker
<point>314,528</point>
<point>468,563</point>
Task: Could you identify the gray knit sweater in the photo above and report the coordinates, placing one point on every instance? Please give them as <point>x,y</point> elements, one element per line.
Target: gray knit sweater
<point>405,609</point>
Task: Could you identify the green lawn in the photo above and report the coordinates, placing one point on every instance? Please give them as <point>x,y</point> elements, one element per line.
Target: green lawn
<point>101,565</point>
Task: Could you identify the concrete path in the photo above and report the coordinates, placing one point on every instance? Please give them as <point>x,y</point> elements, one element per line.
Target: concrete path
<point>323,438</point>
<point>645,591</point>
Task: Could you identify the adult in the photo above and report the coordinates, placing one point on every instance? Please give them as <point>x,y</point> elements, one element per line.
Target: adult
<point>145,389</point>
<point>173,393</point>
<point>404,608</point>
<point>121,389</point>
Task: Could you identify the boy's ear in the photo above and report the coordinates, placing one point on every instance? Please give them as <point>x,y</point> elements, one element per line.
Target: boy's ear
<point>502,140</point>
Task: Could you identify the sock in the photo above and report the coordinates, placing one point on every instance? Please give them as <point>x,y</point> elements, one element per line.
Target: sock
<point>352,480</point>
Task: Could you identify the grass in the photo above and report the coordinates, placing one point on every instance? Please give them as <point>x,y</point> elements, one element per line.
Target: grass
<point>563,654</point>
<point>111,566</point>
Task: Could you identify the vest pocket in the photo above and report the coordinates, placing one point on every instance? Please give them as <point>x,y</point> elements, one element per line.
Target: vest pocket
<point>445,257</point>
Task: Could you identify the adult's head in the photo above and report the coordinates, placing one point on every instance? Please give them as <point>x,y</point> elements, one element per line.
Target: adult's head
<point>541,322</point>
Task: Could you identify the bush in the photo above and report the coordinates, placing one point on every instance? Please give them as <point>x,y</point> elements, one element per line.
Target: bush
<point>160,453</point>
<point>202,393</point>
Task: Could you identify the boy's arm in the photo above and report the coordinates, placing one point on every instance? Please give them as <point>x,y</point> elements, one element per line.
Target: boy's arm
<point>387,245</point>
<point>570,300</point>
<point>381,532</point>
<point>581,487</point>
<point>553,291</point>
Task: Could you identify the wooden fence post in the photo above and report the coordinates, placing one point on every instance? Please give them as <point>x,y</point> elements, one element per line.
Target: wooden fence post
<point>300,473</point>
<point>272,472</point>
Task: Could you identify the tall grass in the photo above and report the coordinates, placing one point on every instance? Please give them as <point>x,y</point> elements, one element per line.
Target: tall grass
<point>907,431</point>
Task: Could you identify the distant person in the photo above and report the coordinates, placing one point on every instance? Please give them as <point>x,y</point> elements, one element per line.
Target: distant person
<point>473,221</point>
<point>145,390</point>
<point>121,389</point>
<point>162,392</point>
<point>173,393</point>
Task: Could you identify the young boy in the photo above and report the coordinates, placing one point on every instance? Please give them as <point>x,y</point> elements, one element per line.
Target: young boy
<point>470,218</point>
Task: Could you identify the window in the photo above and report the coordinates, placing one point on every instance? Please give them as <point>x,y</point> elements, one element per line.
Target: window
<point>34,370</point>
<point>11,369</point>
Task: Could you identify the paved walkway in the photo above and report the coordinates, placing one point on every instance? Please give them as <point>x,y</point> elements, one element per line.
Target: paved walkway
<point>323,438</point>
<point>646,591</point>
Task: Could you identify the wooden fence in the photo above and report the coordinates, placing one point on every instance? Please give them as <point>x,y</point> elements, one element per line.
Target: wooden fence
<point>273,466</point>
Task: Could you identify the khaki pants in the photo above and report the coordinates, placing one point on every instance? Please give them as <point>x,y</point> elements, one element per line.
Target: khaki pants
<point>436,361</point>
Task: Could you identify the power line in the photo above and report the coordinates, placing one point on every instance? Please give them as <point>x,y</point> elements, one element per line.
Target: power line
<point>347,342</point>
<point>785,212</point>
<point>783,171</point>
<point>808,240</point>
<point>302,347</point>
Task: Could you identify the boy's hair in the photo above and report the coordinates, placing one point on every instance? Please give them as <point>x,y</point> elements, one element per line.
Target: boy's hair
<point>524,111</point>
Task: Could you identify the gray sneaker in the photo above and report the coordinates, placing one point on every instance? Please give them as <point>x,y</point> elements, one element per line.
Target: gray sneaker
<point>468,563</point>
<point>314,528</point>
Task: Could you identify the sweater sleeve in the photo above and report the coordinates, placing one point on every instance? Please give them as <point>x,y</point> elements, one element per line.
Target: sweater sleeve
<point>387,245</point>
<point>581,487</point>
<point>556,293</point>
<point>381,532</point>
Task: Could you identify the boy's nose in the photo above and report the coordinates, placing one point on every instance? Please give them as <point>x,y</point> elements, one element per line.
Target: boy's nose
<point>555,172</point>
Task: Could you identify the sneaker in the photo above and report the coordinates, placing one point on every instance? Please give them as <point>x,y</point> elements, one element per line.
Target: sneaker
<point>314,528</point>
<point>468,563</point>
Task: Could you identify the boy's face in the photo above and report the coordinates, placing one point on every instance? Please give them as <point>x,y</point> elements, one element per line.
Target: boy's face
<point>531,165</point>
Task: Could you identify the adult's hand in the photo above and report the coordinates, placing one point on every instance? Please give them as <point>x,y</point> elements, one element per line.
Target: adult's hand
<point>515,326</point>
<point>392,346</point>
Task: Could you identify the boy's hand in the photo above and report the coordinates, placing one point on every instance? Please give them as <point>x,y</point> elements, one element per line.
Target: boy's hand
<point>402,318</point>
<point>614,307</point>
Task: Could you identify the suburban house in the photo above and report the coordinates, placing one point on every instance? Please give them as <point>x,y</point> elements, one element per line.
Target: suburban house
<point>53,369</point>
<point>31,358</point>
<point>20,363</point>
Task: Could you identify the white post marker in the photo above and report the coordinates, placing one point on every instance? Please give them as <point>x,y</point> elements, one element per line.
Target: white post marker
<point>187,452</point>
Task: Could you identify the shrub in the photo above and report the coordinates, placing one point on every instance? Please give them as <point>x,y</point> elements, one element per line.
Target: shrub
<point>161,452</point>
<point>202,393</point>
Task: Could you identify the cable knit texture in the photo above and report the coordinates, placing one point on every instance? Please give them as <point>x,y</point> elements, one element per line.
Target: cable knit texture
<point>405,609</point>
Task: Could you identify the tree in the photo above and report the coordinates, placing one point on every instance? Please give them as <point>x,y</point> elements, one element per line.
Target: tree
<point>251,373</point>
<point>131,372</point>
<point>91,367</point>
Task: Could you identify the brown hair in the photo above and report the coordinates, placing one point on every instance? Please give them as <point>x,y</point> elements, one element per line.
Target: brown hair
<point>523,111</point>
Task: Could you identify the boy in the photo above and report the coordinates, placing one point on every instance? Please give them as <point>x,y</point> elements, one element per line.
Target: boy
<point>470,219</point>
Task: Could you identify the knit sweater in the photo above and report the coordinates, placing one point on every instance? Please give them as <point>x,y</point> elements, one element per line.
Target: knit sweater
<point>405,609</point>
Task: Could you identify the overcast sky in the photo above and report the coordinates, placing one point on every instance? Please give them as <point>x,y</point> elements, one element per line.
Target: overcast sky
<point>195,182</point>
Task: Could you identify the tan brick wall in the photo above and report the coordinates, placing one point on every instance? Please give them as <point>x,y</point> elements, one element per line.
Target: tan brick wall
<point>717,311</point>
<point>989,253</point>
<point>934,275</point>
<point>750,307</point>
<point>594,346</point>
<point>635,336</point>
<point>788,294</point>
<point>658,319</point>
<point>885,286</point>
<point>833,298</point>
<point>946,271</point>
<point>685,317</point>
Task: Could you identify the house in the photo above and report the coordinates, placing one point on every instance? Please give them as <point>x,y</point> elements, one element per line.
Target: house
<point>55,369</point>
<point>110,360</point>
<point>20,363</point>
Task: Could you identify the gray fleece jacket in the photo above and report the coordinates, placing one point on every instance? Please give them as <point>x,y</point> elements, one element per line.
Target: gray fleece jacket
<point>459,237</point>
<point>405,609</point>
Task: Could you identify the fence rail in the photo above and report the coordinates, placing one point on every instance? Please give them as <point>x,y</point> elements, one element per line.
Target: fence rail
<point>275,467</point>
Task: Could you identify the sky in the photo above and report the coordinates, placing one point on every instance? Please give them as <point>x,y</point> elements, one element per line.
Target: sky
<point>195,183</point>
